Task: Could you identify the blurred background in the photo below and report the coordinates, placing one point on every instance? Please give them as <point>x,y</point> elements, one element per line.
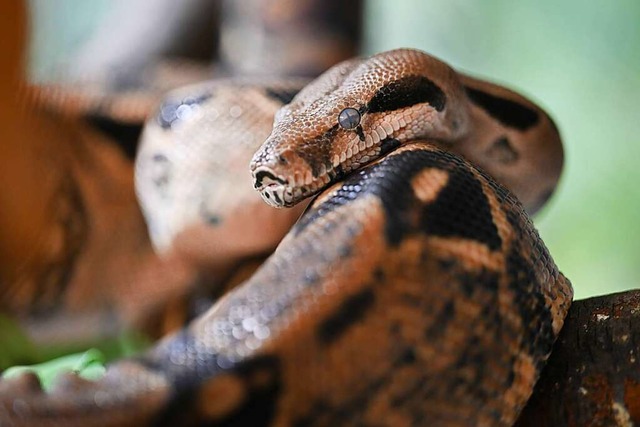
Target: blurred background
<point>581,61</point>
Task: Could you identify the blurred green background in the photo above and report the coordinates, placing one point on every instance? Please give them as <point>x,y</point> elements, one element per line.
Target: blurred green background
<point>580,60</point>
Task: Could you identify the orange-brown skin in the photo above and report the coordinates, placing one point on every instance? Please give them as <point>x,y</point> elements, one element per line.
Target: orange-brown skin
<point>76,263</point>
<point>191,171</point>
<point>410,95</point>
<point>73,243</point>
<point>412,292</point>
<point>56,174</point>
<point>440,325</point>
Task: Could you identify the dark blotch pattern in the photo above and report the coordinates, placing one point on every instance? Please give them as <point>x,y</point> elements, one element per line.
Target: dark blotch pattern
<point>507,112</point>
<point>72,218</point>
<point>538,336</point>
<point>124,135</point>
<point>317,152</point>
<point>474,355</point>
<point>405,92</point>
<point>390,182</point>
<point>261,376</point>
<point>387,145</point>
<point>350,311</point>
<point>483,279</point>
<point>437,329</point>
<point>502,151</point>
<point>161,168</point>
<point>349,411</point>
<point>261,175</point>
<point>259,408</point>
<point>281,94</point>
<point>462,210</point>
<point>209,217</point>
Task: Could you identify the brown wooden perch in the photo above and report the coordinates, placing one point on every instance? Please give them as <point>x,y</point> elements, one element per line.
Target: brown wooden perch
<point>593,375</point>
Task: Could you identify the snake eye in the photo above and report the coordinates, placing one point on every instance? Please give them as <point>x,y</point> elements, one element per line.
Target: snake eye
<point>349,118</point>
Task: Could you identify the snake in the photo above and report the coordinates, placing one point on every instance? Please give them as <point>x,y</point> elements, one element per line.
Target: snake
<point>413,290</point>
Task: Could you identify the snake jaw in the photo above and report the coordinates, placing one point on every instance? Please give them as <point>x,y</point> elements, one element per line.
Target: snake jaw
<point>284,195</point>
<point>276,195</point>
<point>283,184</point>
<point>264,177</point>
<point>281,192</point>
<point>273,188</point>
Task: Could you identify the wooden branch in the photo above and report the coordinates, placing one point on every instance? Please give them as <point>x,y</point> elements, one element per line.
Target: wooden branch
<point>593,375</point>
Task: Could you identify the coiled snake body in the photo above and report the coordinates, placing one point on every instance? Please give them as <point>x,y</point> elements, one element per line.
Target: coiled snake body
<point>414,290</point>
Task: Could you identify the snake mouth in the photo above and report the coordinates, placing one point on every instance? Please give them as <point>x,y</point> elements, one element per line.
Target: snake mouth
<point>304,180</point>
<point>276,195</point>
<point>264,177</point>
<point>274,189</point>
<point>281,192</point>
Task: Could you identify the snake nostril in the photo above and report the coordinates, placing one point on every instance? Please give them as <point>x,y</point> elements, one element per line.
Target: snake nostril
<point>282,160</point>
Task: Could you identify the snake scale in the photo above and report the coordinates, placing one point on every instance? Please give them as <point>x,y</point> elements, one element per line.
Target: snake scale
<point>414,290</point>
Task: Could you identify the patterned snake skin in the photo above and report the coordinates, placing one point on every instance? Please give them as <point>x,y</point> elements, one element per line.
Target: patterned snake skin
<point>413,291</point>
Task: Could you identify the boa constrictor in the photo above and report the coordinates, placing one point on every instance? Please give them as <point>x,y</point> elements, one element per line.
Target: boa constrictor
<point>414,290</point>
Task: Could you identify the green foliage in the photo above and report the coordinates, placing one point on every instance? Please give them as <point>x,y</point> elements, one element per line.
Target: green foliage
<point>16,346</point>
<point>89,365</point>
<point>18,351</point>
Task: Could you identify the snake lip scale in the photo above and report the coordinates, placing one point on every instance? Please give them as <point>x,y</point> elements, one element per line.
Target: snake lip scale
<point>414,290</point>
<point>273,188</point>
<point>279,191</point>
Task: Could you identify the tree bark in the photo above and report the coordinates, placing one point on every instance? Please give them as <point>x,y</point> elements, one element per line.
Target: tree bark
<point>593,374</point>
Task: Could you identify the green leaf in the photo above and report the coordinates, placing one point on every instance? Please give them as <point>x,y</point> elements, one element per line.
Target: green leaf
<point>89,365</point>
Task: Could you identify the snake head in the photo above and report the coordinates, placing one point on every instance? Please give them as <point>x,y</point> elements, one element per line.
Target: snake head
<point>353,114</point>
